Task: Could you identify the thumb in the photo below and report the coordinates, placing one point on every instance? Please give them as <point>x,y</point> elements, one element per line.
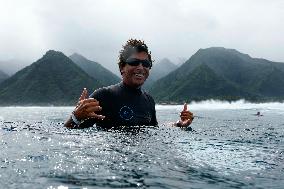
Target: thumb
<point>185,107</point>
<point>84,94</point>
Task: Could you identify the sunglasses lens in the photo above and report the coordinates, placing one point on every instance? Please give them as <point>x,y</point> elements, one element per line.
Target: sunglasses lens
<point>146,63</point>
<point>136,62</point>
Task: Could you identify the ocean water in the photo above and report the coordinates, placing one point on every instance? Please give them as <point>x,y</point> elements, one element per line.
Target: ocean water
<point>229,147</point>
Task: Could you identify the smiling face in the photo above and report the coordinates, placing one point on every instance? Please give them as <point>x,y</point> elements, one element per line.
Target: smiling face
<point>135,76</point>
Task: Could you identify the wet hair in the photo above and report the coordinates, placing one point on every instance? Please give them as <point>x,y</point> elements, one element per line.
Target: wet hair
<point>131,47</point>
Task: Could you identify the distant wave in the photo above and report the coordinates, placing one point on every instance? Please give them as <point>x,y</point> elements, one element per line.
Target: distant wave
<point>217,104</point>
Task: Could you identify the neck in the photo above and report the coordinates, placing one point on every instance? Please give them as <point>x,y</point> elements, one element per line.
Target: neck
<point>131,86</point>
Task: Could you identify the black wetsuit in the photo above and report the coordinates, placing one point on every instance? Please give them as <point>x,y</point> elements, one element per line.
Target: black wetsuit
<point>124,106</point>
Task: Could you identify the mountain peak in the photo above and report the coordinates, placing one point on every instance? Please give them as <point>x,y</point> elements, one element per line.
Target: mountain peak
<point>53,52</point>
<point>221,50</point>
<point>51,55</point>
<point>221,73</point>
<point>78,57</point>
<point>53,79</point>
<point>95,70</point>
<point>166,62</point>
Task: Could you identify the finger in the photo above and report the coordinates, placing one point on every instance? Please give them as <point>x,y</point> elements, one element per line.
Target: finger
<point>89,100</point>
<point>187,122</point>
<point>186,114</point>
<point>94,115</point>
<point>183,118</point>
<point>88,104</point>
<point>83,104</point>
<point>185,107</point>
<point>88,107</point>
<point>84,94</point>
<point>94,109</point>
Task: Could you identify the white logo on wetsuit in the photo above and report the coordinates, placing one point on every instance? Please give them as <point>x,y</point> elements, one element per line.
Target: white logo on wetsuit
<point>126,113</point>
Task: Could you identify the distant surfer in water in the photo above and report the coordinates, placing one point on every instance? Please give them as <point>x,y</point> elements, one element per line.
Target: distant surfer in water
<point>258,114</point>
<point>123,104</point>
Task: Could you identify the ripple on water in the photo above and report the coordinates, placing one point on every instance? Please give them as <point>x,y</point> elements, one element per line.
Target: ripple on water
<point>219,153</point>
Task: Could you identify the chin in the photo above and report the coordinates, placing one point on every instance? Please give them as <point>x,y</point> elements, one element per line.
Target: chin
<point>141,82</point>
<point>138,84</point>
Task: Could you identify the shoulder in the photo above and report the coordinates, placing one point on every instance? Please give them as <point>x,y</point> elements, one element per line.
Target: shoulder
<point>104,91</point>
<point>150,98</point>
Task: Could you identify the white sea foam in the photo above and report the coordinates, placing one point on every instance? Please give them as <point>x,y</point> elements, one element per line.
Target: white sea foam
<point>215,104</point>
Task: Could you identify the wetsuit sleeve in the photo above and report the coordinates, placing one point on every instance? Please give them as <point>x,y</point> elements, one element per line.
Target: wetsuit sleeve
<point>154,121</point>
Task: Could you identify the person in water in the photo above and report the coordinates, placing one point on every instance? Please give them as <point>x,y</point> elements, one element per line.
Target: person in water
<point>258,114</point>
<point>123,104</point>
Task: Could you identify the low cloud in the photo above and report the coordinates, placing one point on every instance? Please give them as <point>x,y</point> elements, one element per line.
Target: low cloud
<point>98,29</point>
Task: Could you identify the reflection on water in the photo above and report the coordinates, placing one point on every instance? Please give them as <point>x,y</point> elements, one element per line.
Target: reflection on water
<point>228,148</point>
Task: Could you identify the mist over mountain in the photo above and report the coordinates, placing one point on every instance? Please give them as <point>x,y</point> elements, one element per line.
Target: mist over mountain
<point>159,70</point>
<point>181,61</point>
<point>3,76</point>
<point>52,80</point>
<point>162,68</point>
<point>95,70</point>
<point>219,73</point>
<point>11,66</point>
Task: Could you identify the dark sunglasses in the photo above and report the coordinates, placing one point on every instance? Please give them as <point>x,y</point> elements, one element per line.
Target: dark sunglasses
<point>136,62</point>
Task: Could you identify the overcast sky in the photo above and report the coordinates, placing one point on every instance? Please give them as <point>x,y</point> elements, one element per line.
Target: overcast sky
<point>174,29</point>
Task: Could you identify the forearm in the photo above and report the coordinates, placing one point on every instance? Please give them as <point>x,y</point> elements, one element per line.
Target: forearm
<point>176,124</point>
<point>85,124</point>
<point>182,123</point>
<point>70,124</point>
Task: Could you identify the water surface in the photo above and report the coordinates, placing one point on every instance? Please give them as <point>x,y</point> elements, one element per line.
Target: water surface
<point>229,147</point>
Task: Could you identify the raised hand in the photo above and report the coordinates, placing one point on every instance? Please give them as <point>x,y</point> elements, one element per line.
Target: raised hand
<point>84,95</point>
<point>87,107</point>
<point>185,116</point>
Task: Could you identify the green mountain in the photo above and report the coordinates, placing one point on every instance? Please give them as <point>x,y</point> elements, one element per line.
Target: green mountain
<point>219,73</point>
<point>162,68</point>
<point>52,80</point>
<point>3,76</point>
<point>95,70</point>
<point>159,70</point>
